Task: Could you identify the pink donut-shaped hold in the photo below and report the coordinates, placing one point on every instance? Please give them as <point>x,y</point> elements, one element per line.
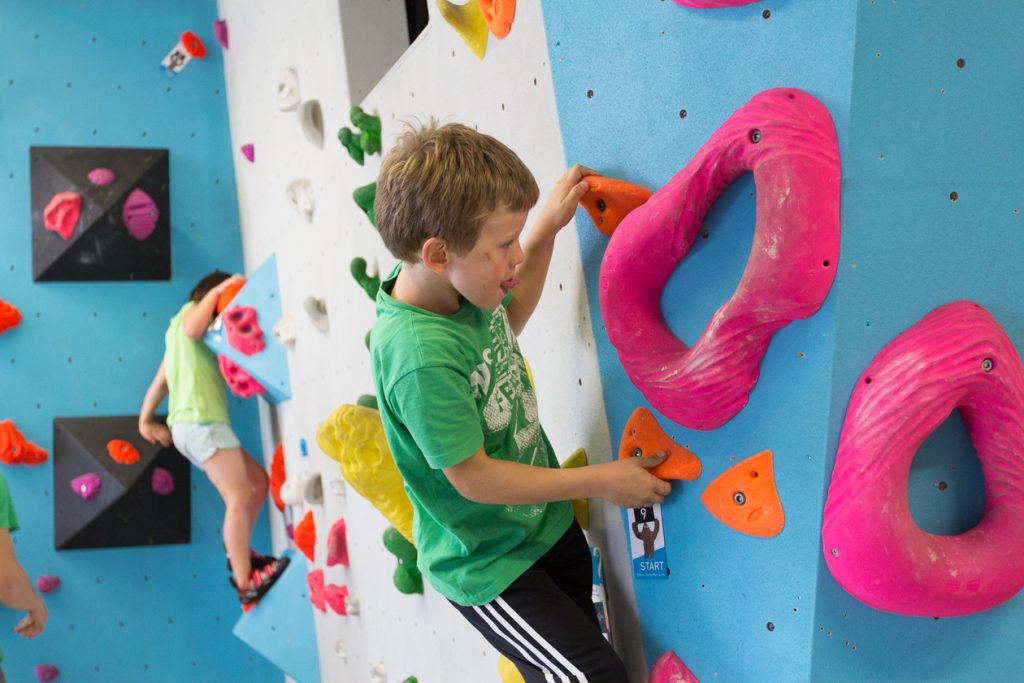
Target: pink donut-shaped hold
<point>713,4</point>
<point>787,139</point>
<point>956,357</point>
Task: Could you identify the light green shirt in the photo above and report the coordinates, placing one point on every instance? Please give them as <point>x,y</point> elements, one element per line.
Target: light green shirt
<point>445,386</point>
<point>198,393</point>
<point>8,518</point>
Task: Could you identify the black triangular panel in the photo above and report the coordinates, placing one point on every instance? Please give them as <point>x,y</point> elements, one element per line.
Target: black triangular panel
<point>101,248</point>
<point>126,512</point>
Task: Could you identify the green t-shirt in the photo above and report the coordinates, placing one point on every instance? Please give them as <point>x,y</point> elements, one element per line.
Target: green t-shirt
<point>8,518</point>
<point>198,393</point>
<point>445,386</point>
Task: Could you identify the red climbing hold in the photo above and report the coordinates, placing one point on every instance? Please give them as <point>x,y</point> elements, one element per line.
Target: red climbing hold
<point>277,476</point>
<point>122,451</point>
<point>305,535</point>
<point>61,214</point>
<point>15,450</point>
<point>9,316</point>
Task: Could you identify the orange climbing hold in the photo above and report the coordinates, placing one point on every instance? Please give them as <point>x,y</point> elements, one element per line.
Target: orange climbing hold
<point>228,294</point>
<point>644,436</point>
<point>499,15</point>
<point>15,449</point>
<point>277,476</point>
<point>9,316</point>
<point>122,451</point>
<point>305,535</point>
<point>744,497</point>
<point>608,201</point>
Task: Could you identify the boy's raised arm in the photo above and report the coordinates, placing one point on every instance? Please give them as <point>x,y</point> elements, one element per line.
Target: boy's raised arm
<point>626,483</point>
<point>540,243</point>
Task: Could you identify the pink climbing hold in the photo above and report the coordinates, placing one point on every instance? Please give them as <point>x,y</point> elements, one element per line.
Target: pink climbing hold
<point>87,485</point>
<point>162,482</point>
<point>239,381</point>
<point>249,152</point>
<point>140,214</point>
<point>61,214</point>
<point>713,4</point>
<point>670,669</point>
<point>101,176</point>
<point>336,598</point>
<point>317,596</point>
<point>46,672</point>
<point>956,358</point>
<point>243,329</point>
<point>47,583</point>
<point>337,545</point>
<point>787,139</point>
<point>220,32</point>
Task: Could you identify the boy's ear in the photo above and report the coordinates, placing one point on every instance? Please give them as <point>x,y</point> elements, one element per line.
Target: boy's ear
<point>434,254</point>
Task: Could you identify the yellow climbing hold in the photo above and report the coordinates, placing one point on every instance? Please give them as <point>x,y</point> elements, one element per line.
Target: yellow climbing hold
<point>580,506</point>
<point>354,436</point>
<point>508,671</point>
<point>468,21</point>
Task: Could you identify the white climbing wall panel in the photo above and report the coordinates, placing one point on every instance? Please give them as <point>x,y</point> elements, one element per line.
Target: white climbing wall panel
<point>508,94</point>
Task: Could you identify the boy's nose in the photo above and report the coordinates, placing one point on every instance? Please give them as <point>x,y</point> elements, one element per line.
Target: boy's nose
<point>517,254</point>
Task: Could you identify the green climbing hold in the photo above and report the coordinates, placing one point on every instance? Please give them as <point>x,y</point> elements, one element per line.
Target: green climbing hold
<point>364,197</point>
<point>366,338</point>
<point>367,401</point>
<point>351,142</point>
<point>407,577</point>
<point>369,129</point>
<point>369,283</point>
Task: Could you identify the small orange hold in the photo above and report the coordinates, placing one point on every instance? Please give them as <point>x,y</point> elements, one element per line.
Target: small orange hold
<point>608,201</point>
<point>277,476</point>
<point>9,316</point>
<point>122,451</point>
<point>643,436</point>
<point>744,497</point>
<point>15,449</point>
<point>305,535</point>
<point>499,15</point>
<point>228,294</point>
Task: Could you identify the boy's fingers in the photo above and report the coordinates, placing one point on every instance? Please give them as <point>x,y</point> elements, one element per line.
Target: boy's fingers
<point>652,460</point>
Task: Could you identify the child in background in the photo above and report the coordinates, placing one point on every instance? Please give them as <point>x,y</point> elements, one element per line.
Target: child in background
<point>198,426</point>
<point>494,530</point>
<point>16,590</point>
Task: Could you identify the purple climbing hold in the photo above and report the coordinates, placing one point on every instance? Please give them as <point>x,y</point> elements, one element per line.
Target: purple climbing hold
<point>249,152</point>
<point>46,672</point>
<point>140,214</point>
<point>47,583</point>
<point>163,482</point>
<point>101,176</point>
<point>86,485</point>
<point>220,32</point>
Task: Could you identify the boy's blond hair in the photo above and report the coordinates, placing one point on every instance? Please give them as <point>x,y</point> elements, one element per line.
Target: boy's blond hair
<point>444,182</point>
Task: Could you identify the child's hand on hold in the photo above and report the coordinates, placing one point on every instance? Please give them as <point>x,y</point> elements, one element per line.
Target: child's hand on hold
<point>561,204</point>
<point>628,483</point>
<point>154,432</point>
<point>33,623</point>
<point>227,283</point>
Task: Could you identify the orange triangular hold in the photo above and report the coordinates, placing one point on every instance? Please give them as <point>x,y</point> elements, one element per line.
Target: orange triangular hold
<point>608,201</point>
<point>644,436</point>
<point>305,535</point>
<point>277,477</point>
<point>122,451</point>
<point>9,316</point>
<point>744,497</point>
<point>15,450</point>
<point>499,15</point>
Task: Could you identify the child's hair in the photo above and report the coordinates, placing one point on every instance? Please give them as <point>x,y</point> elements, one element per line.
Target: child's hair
<point>444,182</point>
<point>203,287</point>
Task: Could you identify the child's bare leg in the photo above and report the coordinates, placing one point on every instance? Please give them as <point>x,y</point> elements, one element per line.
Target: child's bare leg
<point>260,484</point>
<point>228,471</point>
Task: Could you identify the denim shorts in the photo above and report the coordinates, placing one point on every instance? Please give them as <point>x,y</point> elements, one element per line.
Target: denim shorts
<point>199,442</point>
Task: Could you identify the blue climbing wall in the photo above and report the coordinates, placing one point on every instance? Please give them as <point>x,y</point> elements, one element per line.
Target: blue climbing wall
<point>87,74</point>
<point>639,91</point>
<point>923,127</point>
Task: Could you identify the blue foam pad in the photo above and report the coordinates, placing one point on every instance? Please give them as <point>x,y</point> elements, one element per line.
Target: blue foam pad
<point>281,627</point>
<point>270,366</point>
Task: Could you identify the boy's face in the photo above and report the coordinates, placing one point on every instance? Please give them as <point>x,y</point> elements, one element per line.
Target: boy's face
<point>485,274</point>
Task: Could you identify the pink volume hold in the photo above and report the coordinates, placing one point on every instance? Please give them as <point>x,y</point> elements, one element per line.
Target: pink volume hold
<point>787,139</point>
<point>140,214</point>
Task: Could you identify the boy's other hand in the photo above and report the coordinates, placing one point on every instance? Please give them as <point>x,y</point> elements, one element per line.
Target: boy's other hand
<point>33,623</point>
<point>630,485</point>
<point>561,204</point>
<point>228,282</point>
<point>154,432</point>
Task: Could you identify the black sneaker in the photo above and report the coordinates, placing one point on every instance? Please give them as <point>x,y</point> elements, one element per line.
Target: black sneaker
<point>260,582</point>
<point>256,560</point>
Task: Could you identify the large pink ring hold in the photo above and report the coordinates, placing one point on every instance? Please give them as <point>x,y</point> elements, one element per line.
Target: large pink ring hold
<point>787,139</point>
<point>956,357</point>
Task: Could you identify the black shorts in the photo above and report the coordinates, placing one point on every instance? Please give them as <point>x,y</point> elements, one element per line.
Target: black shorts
<point>545,621</point>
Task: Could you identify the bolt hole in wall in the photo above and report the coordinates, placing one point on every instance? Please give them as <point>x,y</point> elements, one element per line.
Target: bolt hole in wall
<point>371,52</point>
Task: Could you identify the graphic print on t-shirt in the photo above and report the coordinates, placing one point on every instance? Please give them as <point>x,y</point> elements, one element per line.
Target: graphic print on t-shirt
<point>508,401</point>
